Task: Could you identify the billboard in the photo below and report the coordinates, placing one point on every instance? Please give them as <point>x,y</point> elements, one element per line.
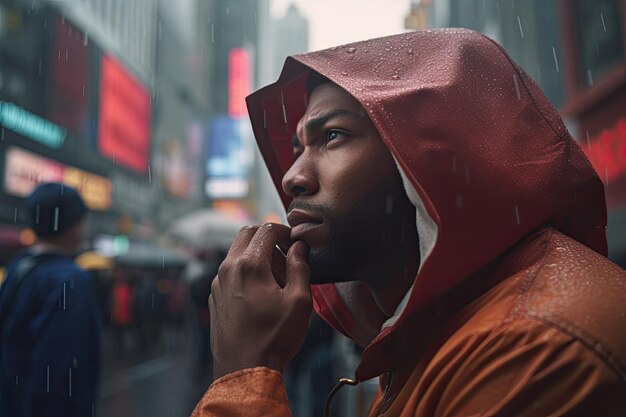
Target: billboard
<point>124,128</point>
<point>23,170</point>
<point>239,81</point>
<point>229,158</point>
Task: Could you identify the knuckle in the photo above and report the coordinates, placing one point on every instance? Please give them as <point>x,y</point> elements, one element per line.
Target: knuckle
<point>245,265</point>
<point>248,228</point>
<point>223,269</point>
<point>215,286</point>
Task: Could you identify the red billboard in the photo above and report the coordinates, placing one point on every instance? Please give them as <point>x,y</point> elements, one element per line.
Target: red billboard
<point>124,128</point>
<point>239,81</point>
<point>607,152</point>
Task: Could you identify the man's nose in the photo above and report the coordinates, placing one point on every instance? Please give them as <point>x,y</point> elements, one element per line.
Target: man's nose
<point>301,179</point>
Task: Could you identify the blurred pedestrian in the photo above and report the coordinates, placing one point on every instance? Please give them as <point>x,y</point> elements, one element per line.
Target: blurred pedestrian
<point>121,310</point>
<point>200,279</point>
<point>49,323</point>
<point>431,168</point>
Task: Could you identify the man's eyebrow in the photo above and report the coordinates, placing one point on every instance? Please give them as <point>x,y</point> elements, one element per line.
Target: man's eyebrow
<point>318,121</point>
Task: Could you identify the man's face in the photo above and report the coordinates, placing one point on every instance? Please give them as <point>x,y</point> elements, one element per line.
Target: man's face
<point>349,204</point>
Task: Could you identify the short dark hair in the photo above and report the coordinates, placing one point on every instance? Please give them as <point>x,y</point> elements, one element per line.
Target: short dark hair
<point>314,80</point>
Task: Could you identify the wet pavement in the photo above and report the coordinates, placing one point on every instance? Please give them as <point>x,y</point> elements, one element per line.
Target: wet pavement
<point>161,382</point>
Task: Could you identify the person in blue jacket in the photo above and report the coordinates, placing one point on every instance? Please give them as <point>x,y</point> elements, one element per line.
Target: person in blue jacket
<point>49,324</point>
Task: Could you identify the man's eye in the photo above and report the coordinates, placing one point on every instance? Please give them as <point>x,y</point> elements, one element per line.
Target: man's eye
<point>334,134</point>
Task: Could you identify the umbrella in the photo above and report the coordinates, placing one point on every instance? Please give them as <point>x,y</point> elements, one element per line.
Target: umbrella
<point>205,229</point>
<point>147,255</point>
<point>91,260</point>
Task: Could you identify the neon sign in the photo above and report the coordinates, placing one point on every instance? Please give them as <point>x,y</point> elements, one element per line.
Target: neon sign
<point>239,81</point>
<point>24,170</point>
<point>32,126</point>
<point>607,152</point>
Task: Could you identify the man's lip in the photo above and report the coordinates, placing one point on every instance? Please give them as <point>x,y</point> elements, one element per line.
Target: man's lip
<point>298,217</point>
<point>302,223</point>
<point>302,231</point>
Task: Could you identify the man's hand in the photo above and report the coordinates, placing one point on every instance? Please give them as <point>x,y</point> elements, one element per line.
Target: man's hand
<point>259,318</point>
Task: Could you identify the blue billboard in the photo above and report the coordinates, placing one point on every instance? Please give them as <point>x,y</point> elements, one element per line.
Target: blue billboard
<point>229,158</point>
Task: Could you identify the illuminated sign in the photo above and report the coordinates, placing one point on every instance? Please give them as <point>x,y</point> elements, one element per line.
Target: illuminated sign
<point>69,78</point>
<point>124,129</point>
<point>607,152</point>
<point>95,190</point>
<point>229,158</point>
<point>24,170</point>
<point>174,168</point>
<point>27,124</point>
<point>239,81</point>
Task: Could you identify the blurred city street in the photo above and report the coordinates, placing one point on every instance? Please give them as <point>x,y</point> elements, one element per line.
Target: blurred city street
<point>163,382</point>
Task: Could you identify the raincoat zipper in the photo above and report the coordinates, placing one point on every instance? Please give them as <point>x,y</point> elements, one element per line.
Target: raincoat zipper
<point>354,382</point>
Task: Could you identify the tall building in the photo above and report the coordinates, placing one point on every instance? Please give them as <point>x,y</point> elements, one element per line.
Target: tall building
<point>178,111</point>
<point>236,33</point>
<point>290,35</point>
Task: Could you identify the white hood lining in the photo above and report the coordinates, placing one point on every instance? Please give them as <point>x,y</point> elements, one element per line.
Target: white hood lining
<point>427,234</point>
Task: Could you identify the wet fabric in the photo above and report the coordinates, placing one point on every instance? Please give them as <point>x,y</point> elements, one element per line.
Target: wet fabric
<point>515,310</point>
<point>50,341</point>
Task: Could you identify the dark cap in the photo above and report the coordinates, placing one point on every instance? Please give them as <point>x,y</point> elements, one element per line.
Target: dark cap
<point>53,208</point>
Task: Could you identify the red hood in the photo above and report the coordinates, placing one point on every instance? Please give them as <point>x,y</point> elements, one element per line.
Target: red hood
<point>485,155</point>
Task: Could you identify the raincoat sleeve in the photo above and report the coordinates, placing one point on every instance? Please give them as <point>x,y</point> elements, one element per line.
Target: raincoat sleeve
<point>248,392</point>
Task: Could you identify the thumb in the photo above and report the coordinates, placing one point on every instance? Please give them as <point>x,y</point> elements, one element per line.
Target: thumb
<point>298,272</point>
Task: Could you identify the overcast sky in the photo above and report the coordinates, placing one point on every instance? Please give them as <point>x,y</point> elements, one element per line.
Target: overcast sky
<point>335,22</point>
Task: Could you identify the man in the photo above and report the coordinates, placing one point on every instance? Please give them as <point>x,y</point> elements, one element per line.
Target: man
<point>451,226</point>
<point>49,326</point>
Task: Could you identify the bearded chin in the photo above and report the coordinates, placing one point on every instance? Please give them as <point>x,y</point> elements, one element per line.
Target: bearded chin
<point>327,265</point>
<point>362,240</point>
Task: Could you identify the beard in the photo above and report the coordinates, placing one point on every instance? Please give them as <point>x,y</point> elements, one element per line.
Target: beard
<point>369,235</point>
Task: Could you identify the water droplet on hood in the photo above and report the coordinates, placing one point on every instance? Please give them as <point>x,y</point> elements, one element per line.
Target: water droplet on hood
<point>344,73</point>
<point>351,50</point>
<point>395,76</point>
<point>410,52</point>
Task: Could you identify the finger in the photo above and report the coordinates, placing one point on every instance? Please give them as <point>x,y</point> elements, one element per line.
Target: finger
<point>241,241</point>
<point>298,271</point>
<point>279,266</point>
<point>261,246</point>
